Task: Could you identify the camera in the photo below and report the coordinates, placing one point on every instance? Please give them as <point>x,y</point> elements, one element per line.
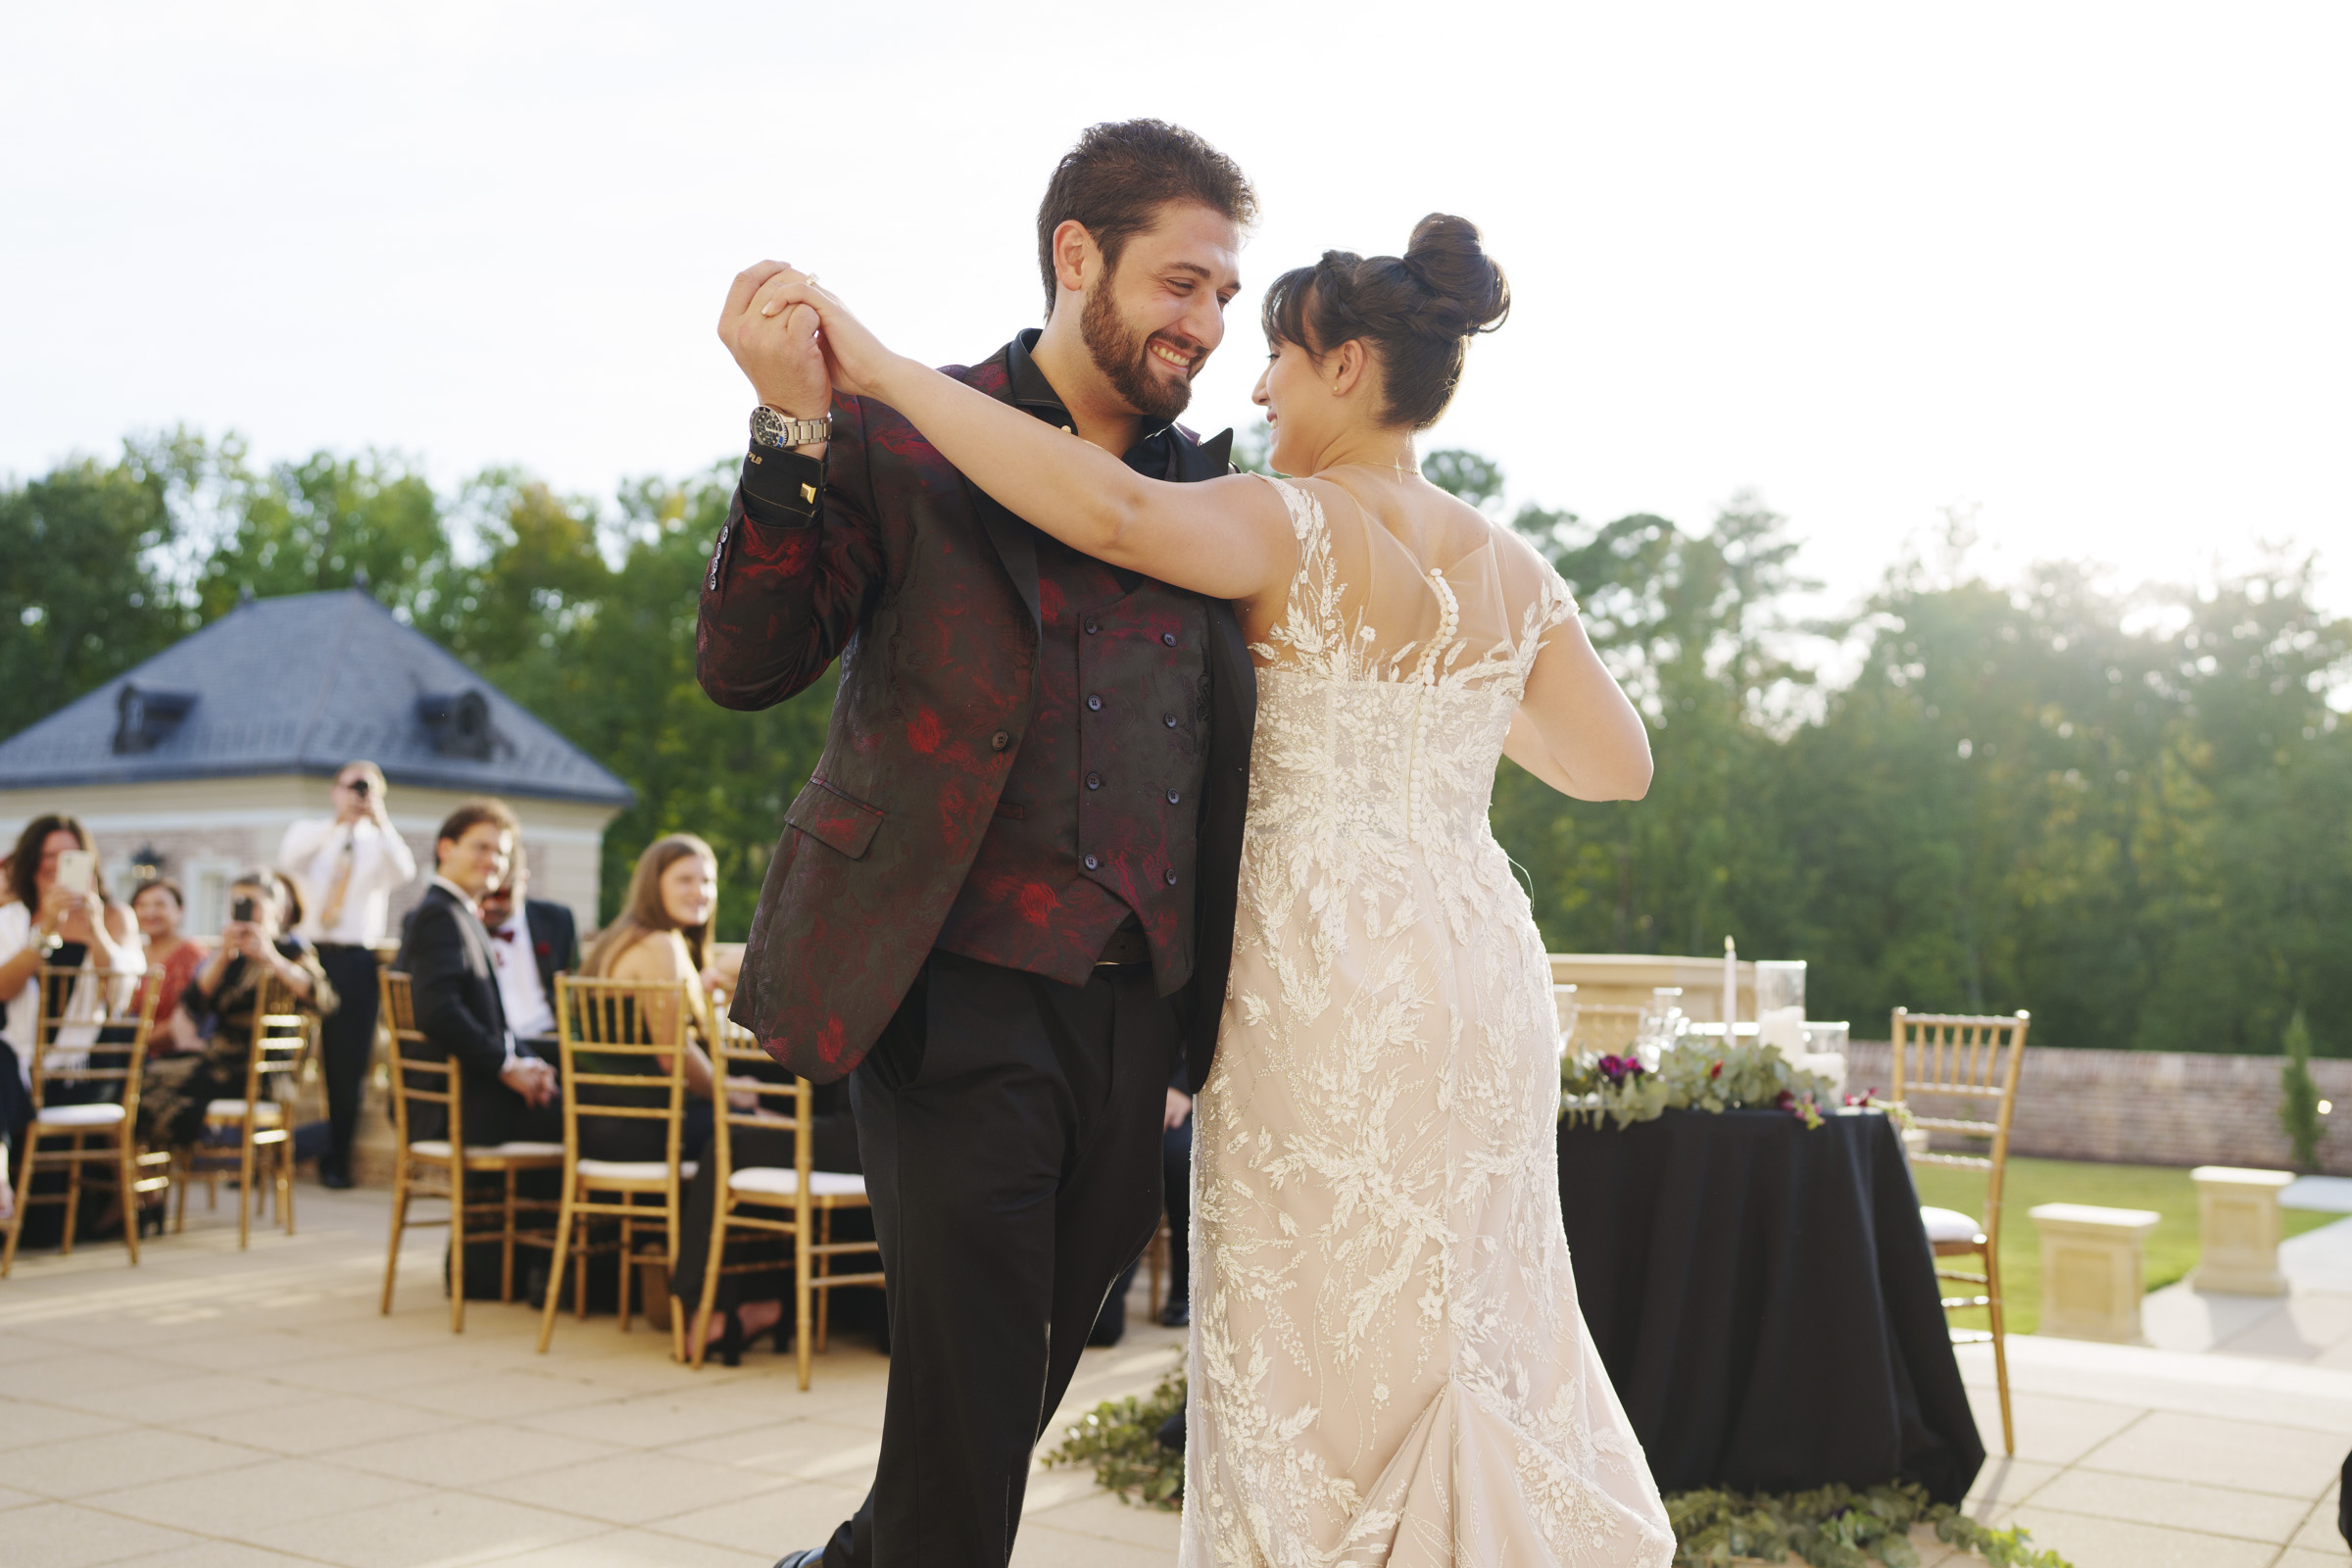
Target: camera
<point>359,785</point>
<point>241,910</point>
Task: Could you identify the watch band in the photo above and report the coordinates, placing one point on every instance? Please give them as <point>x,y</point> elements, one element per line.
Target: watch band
<point>771,428</point>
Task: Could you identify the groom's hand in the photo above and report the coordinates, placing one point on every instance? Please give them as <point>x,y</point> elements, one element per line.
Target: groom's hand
<point>779,353</point>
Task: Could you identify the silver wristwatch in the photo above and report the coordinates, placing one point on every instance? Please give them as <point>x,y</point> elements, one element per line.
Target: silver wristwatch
<point>773,429</point>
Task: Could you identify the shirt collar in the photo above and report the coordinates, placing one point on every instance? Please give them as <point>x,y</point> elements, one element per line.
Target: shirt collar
<point>456,892</point>
<point>1028,388</point>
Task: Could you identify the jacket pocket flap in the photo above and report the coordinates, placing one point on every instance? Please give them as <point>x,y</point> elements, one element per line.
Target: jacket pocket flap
<point>834,819</point>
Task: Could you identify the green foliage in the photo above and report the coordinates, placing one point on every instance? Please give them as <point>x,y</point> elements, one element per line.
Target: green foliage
<point>1696,1075</point>
<point>1120,1438</point>
<point>84,589</point>
<point>2299,1097</point>
<point>1834,1527</point>
<point>1830,1526</point>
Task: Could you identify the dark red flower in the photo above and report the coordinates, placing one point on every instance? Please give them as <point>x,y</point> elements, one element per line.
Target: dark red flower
<point>1715,1071</point>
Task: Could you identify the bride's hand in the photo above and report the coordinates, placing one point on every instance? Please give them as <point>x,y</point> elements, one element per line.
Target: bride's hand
<point>857,359</point>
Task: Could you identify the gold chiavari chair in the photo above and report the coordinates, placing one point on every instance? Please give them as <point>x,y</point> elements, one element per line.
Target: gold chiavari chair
<point>1974,1059</point>
<point>438,1167</point>
<point>773,1201</point>
<point>69,1130</point>
<point>263,1120</point>
<point>604,1027</point>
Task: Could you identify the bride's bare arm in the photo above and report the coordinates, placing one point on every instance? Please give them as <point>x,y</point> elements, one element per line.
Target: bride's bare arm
<point>1576,730</point>
<point>1229,537</point>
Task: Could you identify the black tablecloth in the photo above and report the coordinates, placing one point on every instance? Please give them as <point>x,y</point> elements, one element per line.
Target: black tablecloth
<point>1765,1301</point>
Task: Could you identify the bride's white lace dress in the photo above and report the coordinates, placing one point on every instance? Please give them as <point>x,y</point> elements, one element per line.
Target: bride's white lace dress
<point>1387,1362</point>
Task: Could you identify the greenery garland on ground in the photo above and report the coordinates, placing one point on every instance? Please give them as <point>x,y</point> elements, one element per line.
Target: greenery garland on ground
<point>1829,1527</point>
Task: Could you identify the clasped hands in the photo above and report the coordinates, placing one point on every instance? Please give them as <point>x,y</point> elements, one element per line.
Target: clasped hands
<point>797,343</point>
<point>534,1080</point>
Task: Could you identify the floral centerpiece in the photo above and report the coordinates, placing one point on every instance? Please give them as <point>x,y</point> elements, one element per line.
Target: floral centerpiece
<point>1692,1074</point>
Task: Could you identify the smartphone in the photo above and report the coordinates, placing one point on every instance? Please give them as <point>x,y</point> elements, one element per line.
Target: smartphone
<point>242,910</point>
<point>76,869</point>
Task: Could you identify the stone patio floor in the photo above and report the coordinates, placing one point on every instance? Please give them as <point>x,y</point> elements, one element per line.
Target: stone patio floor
<point>218,1409</point>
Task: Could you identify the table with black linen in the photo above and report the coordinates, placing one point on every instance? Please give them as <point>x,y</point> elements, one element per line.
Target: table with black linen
<point>1765,1301</point>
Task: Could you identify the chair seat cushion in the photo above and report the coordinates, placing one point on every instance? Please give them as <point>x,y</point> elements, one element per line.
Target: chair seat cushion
<point>1950,1225</point>
<point>269,1114</point>
<point>783,1182</point>
<point>654,1171</point>
<point>438,1149</point>
<point>99,1115</point>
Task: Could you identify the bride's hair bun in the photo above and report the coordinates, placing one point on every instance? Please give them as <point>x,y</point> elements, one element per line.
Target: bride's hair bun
<point>1468,290</point>
<point>1416,312</point>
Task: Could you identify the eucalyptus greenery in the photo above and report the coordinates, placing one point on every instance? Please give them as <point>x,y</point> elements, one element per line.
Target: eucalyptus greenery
<point>1829,1527</point>
<point>1695,1076</point>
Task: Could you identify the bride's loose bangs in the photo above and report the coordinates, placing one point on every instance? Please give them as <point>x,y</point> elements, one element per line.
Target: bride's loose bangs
<point>1417,311</point>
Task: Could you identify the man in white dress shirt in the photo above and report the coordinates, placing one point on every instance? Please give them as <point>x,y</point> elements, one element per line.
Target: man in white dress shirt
<point>348,868</point>
<point>532,941</point>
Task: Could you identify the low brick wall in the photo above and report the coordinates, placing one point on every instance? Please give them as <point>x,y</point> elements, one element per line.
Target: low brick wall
<point>2149,1108</point>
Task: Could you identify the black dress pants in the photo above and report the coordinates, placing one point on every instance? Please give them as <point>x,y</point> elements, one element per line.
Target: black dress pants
<point>346,1045</point>
<point>1176,1176</point>
<point>1010,1129</point>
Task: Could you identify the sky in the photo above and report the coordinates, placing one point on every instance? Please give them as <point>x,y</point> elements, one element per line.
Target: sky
<point>2077,273</point>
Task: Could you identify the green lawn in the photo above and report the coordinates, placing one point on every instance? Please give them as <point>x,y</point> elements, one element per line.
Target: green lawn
<point>2171,1248</point>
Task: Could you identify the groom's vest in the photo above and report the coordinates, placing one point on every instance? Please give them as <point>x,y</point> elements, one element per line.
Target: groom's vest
<point>1097,818</point>
<point>936,601</point>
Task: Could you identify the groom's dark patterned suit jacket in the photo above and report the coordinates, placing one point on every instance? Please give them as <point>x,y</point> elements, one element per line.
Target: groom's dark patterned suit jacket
<point>1027,752</point>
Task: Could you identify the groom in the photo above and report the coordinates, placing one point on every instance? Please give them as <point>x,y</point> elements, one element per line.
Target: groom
<point>1004,903</point>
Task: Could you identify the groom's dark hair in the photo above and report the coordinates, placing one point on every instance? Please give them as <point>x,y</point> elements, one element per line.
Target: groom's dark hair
<point>1118,177</point>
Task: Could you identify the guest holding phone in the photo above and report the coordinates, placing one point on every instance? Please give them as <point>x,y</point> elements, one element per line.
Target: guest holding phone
<point>60,917</point>
<point>220,1001</point>
<point>347,867</point>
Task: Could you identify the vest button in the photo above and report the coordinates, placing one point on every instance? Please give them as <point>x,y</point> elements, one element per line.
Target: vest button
<point>998,741</point>
<point>1172,797</point>
<point>1093,704</point>
<point>1168,719</point>
<point>1094,781</point>
<point>1093,864</point>
<point>1168,637</point>
<point>1093,625</point>
<point>1171,876</point>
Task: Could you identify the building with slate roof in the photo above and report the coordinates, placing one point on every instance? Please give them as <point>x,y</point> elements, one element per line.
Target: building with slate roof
<point>200,756</point>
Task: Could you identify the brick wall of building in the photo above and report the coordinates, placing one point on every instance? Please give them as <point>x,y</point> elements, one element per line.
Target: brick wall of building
<point>2150,1107</point>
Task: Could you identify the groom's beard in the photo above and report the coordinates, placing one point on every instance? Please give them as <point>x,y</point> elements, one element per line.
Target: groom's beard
<point>1120,353</point>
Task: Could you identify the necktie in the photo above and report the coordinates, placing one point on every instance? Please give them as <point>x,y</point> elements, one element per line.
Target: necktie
<point>333,908</point>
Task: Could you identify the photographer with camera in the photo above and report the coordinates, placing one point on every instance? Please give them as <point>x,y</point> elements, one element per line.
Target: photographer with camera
<point>220,1001</point>
<point>346,869</point>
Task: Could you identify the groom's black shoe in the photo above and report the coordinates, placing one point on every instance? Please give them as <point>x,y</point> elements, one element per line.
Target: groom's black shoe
<point>1177,1314</point>
<point>806,1557</point>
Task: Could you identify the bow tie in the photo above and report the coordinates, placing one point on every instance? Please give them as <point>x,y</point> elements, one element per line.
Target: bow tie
<point>504,933</point>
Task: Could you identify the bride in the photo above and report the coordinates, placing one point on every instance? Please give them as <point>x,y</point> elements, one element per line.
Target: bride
<point>1387,1365</point>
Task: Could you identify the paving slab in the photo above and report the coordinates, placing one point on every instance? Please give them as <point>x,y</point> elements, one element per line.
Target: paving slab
<point>227,1409</point>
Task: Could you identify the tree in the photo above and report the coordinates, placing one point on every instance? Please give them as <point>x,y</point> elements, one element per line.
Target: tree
<point>85,593</point>
<point>2299,1097</point>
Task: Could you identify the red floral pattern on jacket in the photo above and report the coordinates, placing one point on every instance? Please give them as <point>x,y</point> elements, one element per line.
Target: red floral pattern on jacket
<point>900,578</point>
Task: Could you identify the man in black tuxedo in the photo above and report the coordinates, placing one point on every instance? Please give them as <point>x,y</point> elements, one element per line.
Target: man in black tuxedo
<point>510,1088</point>
<point>531,942</point>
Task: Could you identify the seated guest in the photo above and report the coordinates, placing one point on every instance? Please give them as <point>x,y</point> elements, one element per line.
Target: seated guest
<point>172,961</point>
<point>220,1000</point>
<point>532,941</point>
<point>46,923</point>
<point>510,1088</point>
<point>662,934</point>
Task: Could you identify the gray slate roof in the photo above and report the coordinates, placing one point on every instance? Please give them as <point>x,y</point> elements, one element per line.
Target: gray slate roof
<point>303,685</point>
